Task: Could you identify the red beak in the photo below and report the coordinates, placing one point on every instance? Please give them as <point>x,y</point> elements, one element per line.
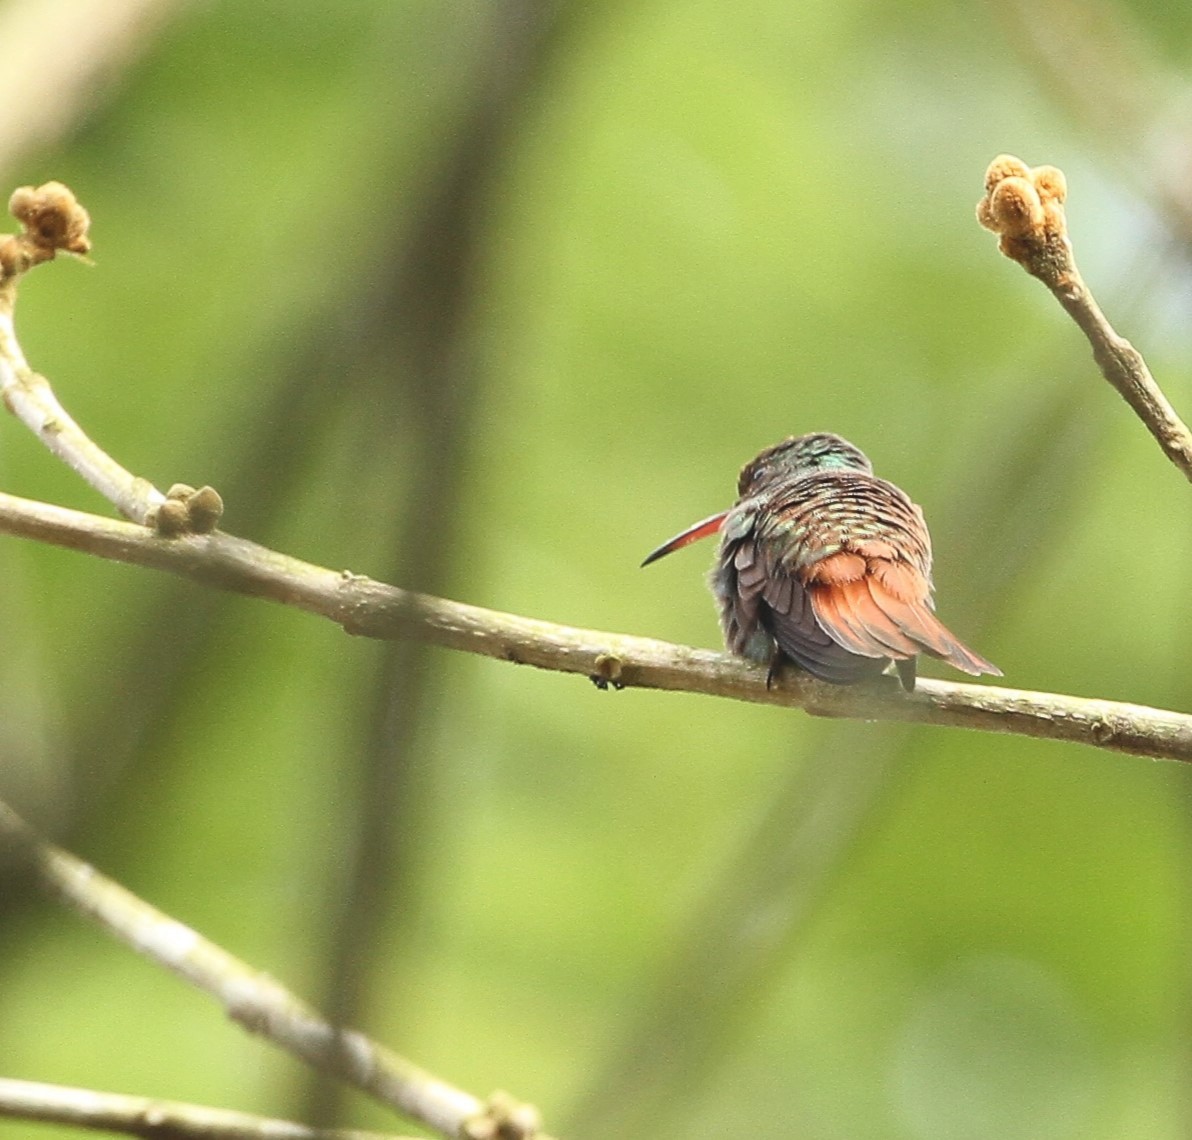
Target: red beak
<point>691,534</point>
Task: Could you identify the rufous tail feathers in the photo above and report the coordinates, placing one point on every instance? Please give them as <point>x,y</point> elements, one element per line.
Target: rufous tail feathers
<point>878,607</point>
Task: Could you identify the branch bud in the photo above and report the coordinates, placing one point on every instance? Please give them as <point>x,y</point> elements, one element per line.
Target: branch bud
<point>1025,208</point>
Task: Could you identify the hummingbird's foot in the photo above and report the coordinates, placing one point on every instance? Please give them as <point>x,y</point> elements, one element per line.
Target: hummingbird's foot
<point>604,684</point>
<point>906,672</point>
<point>608,673</point>
<point>775,670</point>
<point>503,1118</point>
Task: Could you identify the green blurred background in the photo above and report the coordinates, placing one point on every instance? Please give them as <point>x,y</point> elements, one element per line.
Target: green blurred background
<point>489,299</point>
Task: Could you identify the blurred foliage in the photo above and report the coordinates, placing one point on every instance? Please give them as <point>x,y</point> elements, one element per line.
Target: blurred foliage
<point>709,226</point>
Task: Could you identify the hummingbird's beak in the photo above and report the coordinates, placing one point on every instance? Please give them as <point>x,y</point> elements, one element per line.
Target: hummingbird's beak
<point>691,534</point>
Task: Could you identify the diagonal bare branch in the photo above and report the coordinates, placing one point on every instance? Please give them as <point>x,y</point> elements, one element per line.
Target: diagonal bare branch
<point>53,221</point>
<point>152,1118</point>
<point>256,1001</point>
<point>1025,207</point>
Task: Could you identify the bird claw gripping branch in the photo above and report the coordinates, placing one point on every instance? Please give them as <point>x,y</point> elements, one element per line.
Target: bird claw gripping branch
<point>826,565</point>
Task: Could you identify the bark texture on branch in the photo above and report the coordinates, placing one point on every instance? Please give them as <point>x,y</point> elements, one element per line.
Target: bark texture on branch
<point>612,660</point>
<point>259,1003</point>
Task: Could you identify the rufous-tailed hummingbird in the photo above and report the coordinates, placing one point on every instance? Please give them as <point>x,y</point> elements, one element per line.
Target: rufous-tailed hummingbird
<point>826,565</point>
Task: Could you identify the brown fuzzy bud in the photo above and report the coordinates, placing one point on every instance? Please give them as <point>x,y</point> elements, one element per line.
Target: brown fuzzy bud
<point>52,217</point>
<point>523,1122</point>
<point>204,509</point>
<point>1004,166</point>
<point>1050,183</point>
<point>187,511</point>
<point>1015,206</point>
<point>985,214</point>
<point>22,202</point>
<point>170,519</point>
<point>1025,208</point>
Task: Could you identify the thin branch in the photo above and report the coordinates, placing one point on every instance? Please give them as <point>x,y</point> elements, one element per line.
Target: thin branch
<point>1025,207</point>
<point>259,1003</point>
<point>31,399</point>
<point>373,609</point>
<point>152,1118</point>
<point>52,220</point>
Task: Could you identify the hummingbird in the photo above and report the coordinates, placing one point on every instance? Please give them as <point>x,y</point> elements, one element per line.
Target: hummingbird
<point>824,564</point>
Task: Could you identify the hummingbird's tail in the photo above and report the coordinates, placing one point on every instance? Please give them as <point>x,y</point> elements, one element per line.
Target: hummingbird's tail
<point>880,608</point>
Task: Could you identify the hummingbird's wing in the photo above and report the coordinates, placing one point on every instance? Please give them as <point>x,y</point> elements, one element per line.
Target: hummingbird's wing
<point>763,605</point>
<point>861,551</point>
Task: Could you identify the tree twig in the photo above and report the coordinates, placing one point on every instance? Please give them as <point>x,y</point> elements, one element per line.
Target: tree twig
<point>1025,207</point>
<point>152,1118</point>
<point>52,221</point>
<point>258,1002</point>
<point>372,609</point>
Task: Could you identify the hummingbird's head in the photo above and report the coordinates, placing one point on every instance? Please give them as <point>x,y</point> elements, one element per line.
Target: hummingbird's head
<point>798,455</point>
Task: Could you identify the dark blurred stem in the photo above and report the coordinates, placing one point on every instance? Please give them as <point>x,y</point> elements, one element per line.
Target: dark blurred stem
<point>420,323</point>
<point>740,935</point>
